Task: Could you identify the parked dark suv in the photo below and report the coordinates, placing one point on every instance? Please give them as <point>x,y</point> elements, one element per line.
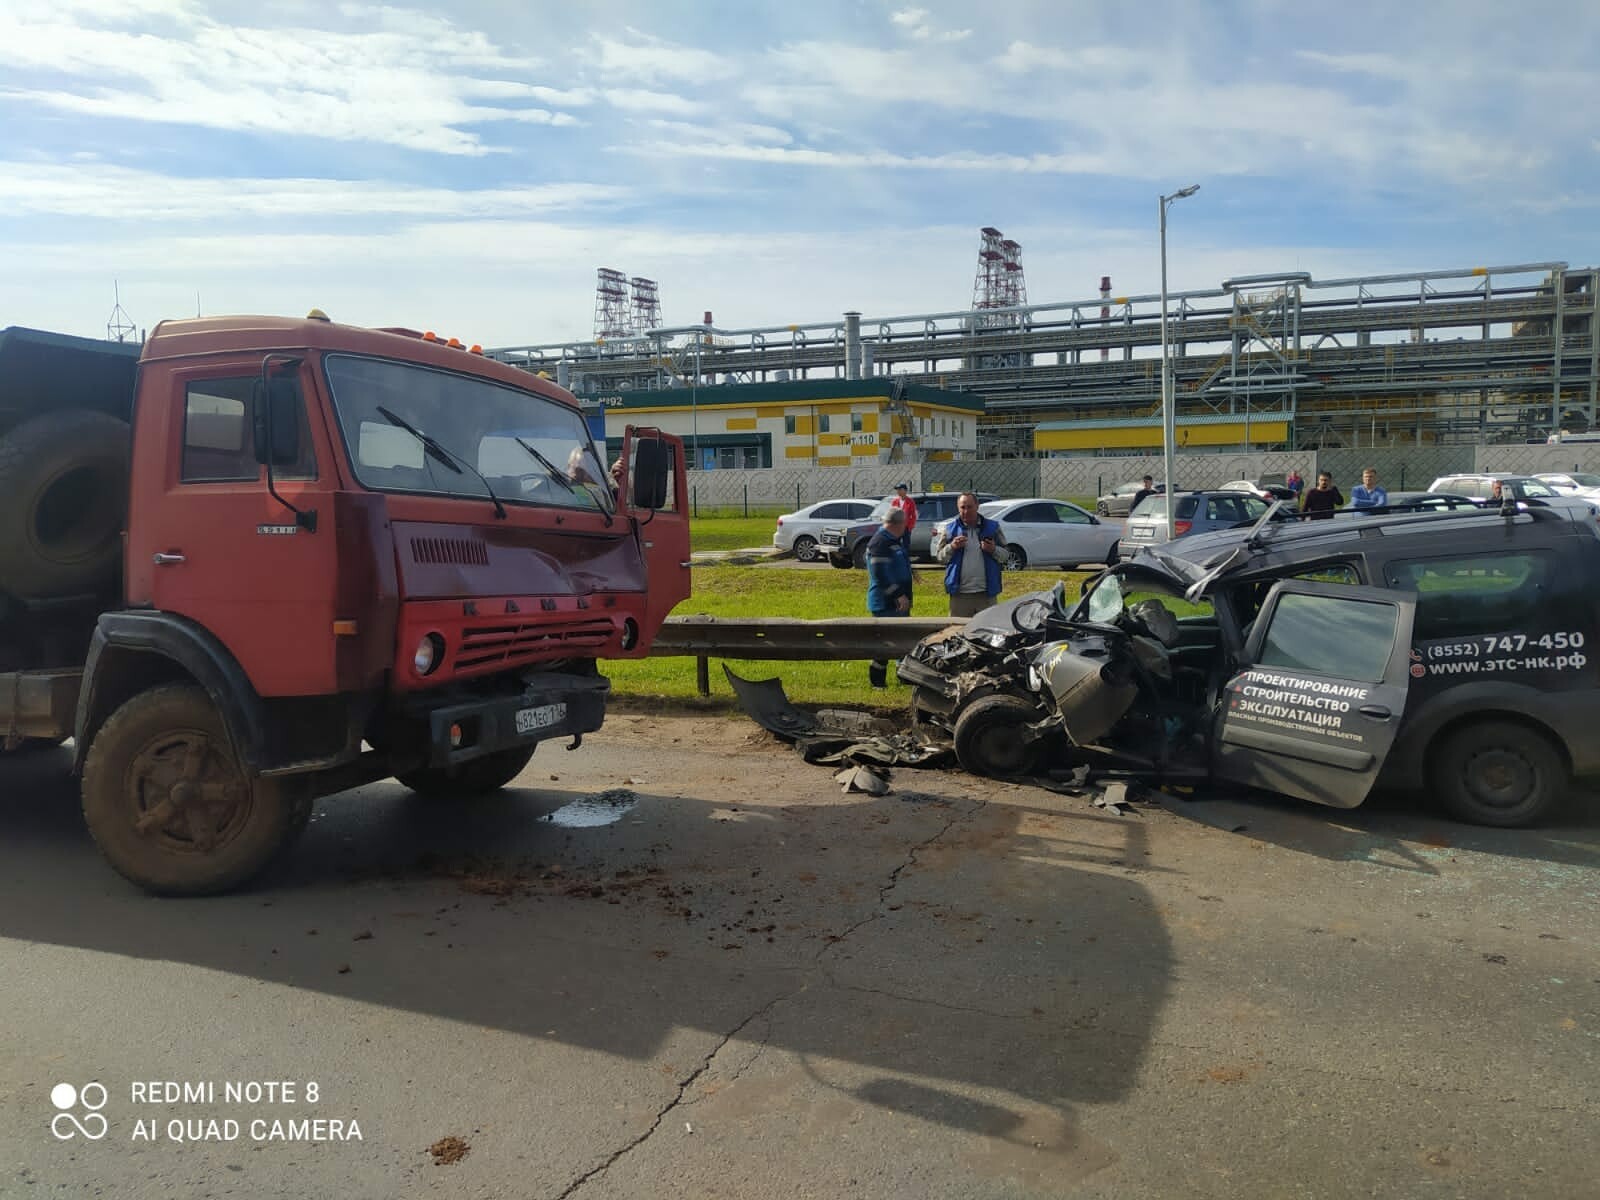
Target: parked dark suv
<point>1448,650</point>
<point>846,545</point>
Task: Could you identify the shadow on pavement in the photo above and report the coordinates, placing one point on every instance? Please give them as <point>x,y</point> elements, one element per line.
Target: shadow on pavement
<point>1394,830</point>
<point>931,933</point>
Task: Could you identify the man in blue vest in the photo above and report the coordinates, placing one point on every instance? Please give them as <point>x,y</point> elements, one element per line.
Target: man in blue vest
<point>888,581</point>
<point>970,545</point>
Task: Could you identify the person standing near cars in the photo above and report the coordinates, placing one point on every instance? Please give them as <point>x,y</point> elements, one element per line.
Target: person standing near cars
<point>969,546</point>
<point>888,581</point>
<point>1320,501</point>
<point>1149,489</point>
<point>1369,493</point>
<point>903,501</point>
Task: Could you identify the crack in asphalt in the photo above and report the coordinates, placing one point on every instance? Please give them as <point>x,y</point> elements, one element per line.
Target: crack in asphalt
<point>678,1099</point>
<point>894,877</point>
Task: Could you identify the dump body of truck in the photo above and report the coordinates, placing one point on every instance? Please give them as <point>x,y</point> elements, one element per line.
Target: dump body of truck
<point>335,554</point>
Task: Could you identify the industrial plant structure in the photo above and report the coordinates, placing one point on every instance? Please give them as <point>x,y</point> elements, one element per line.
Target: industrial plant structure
<point>1468,355</point>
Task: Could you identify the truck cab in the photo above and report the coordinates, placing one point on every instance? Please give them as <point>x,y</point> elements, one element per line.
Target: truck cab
<point>348,554</point>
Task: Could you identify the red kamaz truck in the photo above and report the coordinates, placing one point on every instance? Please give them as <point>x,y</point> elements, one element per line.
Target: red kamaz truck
<point>264,560</point>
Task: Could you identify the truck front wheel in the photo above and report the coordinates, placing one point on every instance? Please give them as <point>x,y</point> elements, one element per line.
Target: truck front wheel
<point>471,778</point>
<point>169,804</point>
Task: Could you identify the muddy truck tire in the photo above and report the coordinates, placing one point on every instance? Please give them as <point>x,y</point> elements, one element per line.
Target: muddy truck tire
<point>64,477</point>
<point>170,806</point>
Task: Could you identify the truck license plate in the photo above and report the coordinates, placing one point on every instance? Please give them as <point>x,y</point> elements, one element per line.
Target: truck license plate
<point>542,717</point>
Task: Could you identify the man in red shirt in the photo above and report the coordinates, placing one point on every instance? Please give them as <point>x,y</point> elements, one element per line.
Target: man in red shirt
<point>903,501</point>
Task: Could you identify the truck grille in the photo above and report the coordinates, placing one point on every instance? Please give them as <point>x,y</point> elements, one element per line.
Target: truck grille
<point>461,552</point>
<point>530,641</point>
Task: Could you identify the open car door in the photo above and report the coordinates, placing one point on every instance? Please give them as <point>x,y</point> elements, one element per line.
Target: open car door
<point>1315,710</point>
<point>655,494</point>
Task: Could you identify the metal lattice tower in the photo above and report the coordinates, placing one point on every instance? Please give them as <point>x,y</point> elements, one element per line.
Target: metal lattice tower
<point>1015,289</point>
<point>989,285</point>
<point>119,326</point>
<point>646,314</point>
<point>611,304</point>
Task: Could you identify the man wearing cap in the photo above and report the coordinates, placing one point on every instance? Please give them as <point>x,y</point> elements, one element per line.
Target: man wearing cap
<point>903,501</point>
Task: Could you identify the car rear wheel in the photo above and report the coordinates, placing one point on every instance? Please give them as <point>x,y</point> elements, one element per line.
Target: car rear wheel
<point>805,548</point>
<point>991,737</point>
<point>1498,773</point>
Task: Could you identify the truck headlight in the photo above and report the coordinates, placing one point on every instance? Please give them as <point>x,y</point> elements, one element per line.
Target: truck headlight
<point>429,654</point>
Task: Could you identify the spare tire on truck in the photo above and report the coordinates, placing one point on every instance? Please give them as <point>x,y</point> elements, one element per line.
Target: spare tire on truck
<point>64,479</point>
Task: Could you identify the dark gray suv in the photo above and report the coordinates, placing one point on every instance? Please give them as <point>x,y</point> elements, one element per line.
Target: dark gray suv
<point>846,545</point>
<point>1452,652</point>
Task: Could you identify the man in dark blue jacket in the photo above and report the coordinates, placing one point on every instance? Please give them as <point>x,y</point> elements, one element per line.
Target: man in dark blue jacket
<point>970,546</point>
<point>888,581</point>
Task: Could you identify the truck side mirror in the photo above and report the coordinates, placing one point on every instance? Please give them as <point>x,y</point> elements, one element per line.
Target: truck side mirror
<point>276,415</point>
<point>652,467</point>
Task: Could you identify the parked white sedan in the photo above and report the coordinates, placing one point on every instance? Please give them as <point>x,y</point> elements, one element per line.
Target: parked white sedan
<point>1577,483</point>
<point>1053,533</point>
<point>798,531</point>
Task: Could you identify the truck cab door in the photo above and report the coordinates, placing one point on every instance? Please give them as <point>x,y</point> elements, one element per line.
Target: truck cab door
<point>1314,710</point>
<point>659,510</point>
<point>206,539</point>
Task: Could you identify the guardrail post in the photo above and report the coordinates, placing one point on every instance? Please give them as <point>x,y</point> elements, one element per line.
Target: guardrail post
<point>702,675</point>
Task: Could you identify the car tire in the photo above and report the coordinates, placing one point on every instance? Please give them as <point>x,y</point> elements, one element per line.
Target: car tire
<point>839,561</point>
<point>475,777</point>
<point>989,737</point>
<point>858,556</point>
<point>1016,559</point>
<point>1498,773</point>
<point>805,548</point>
<point>1114,555</point>
<point>159,739</point>
<point>1101,507</point>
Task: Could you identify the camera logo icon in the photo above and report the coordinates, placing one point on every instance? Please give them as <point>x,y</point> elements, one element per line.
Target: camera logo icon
<point>67,1124</point>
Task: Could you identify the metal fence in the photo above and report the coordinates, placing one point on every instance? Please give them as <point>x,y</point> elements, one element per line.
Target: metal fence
<point>1412,468</point>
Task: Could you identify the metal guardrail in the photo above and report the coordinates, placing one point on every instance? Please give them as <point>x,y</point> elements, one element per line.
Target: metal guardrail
<point>790,639</point>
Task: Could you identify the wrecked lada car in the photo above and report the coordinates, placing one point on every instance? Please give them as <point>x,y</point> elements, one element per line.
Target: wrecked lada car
<point>1429,650</point>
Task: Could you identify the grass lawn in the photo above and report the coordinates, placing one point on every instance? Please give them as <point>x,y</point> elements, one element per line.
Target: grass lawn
<point>810,593</point>
<point>731,533</point>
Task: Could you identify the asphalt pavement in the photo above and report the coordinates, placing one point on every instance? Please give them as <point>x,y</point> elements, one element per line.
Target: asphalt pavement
<point>679,963</point>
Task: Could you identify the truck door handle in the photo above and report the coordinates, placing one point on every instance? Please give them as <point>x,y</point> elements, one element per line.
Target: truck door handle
<point>1376,711</point>
<point>168,560</point>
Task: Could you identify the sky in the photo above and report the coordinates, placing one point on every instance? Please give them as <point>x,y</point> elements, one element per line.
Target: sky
<point>466,167</point>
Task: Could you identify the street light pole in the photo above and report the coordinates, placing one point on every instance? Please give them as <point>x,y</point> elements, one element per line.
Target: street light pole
<point>1167,422</point>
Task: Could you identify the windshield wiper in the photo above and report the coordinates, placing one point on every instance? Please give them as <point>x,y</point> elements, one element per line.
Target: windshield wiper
<point>447,457</point>
<point>559,476</point>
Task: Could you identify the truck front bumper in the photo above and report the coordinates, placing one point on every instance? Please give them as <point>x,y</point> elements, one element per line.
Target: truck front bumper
<point>551,705</point>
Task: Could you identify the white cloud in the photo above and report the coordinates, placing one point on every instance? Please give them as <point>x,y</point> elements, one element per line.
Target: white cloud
<point>914,21</point>
<point>122,194</point>
<point>644,100</point>
<point>408,80</point>
<point>655,60</point>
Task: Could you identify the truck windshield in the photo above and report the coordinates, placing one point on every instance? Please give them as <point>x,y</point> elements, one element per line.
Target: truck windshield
<point>530,450</point>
